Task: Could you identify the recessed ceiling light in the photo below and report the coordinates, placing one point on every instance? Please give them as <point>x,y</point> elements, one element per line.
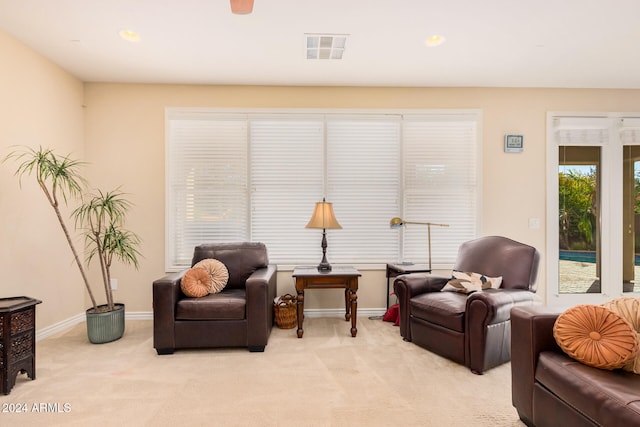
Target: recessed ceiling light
<point>130,36</point>
<point>435,40</point>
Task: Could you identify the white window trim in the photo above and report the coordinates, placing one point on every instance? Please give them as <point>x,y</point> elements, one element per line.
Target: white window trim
<point>611,221</point>
<point>476,115</point>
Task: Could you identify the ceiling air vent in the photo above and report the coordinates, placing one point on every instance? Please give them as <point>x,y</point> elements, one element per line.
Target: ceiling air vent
<point>325,46</point>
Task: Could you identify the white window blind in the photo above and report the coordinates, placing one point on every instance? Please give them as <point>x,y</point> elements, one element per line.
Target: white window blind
<point>440,160</point>
<point>363,182</point>
<point>287,178</point>
<point>207,184</point>
<point>257,176</point>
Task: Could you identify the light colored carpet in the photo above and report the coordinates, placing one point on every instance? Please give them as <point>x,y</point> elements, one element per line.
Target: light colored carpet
<point>326,378</point>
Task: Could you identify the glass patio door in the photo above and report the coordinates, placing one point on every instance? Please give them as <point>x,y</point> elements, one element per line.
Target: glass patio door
<point>579,210</point>
<point>631,212</point>
<point>593,217</point>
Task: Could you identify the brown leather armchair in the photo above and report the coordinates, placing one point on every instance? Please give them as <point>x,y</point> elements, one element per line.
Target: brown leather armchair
<point>471,329</point>
<point>238,316</point>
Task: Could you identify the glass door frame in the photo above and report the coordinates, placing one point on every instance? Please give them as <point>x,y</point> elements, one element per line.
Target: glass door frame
<point>610,214</point>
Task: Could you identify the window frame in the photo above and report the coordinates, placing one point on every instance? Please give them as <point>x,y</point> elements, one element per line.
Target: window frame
<point>611,212</point>
<point>172,113</point>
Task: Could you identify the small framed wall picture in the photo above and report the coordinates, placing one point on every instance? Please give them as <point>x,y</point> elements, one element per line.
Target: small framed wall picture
<point>513,143</point>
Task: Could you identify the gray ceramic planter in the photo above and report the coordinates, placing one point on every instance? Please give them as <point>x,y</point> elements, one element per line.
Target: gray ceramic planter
<point>105,327</point>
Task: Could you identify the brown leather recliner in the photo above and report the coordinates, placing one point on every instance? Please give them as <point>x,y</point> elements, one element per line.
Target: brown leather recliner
<point>471,329</point>
<point>241,315</point>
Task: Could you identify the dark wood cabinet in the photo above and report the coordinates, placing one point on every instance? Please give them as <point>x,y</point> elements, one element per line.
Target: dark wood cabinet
<point>17,340</point>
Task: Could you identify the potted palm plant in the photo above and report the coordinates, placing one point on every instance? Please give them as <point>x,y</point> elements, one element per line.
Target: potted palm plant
<point>100,215</point>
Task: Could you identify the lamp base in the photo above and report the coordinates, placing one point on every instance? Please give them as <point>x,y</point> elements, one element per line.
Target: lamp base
<point>324,267</point>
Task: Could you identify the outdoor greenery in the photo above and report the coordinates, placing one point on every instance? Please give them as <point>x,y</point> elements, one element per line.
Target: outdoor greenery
<point>578,208</point>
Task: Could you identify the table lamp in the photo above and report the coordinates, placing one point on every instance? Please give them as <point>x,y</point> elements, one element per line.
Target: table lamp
<point>399,222</point>
<point>323,217</point>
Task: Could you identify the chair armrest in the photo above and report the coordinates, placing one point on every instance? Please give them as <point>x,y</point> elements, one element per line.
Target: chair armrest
<point>261,288</point>
<point>532,333</point>
<point>487,326</point>
<point>414,284</point>
<point>409,285</point>
<point>166,292</point>
<point>494,306</point>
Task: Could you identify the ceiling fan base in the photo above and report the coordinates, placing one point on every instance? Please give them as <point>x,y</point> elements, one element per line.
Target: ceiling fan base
<point>241,7</point>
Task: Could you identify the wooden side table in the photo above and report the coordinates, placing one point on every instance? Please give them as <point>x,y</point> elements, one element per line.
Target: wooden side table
<point>17,340</point>
<point>395,270</point>
<point>339,277</point>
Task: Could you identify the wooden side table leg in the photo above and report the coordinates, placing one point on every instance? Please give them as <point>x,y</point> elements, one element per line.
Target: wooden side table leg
<point>347,304</point>
<point>354,312</point>
<point>300,312</point>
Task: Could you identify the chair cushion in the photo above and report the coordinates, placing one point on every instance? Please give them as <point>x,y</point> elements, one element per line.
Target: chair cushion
<point>196,282</point>
<point>596,336</point>
<point>629,309</point>
<point>227,305</point>
<point>467,283</point>
<point>218,272</point>
<point>442,308</point>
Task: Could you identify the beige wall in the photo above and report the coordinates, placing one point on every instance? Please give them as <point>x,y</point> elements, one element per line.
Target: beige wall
<point>124,143</point>
<point>40,104</point>
<point>125,133</point>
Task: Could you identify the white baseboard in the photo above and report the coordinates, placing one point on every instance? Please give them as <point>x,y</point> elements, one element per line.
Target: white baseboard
<point>148,315</point>
<point>314,312</point>
<point>81,318</point>
<point>60,326</point>
<point>138,315</point>
<point>339,312</point>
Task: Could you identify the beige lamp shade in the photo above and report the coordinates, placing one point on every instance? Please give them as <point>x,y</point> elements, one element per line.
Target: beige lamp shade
<point>323,217</point>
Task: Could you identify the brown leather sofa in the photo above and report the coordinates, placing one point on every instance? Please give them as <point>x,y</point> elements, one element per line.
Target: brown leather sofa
<point>241,315</point>
<point>551,389</point>
<point>471,329</point>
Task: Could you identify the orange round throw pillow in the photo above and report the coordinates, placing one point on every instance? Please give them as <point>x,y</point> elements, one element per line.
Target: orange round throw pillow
<point>629,309</point>
<point>596,336</point>
<point>196,282</point>
<point>218,273</point>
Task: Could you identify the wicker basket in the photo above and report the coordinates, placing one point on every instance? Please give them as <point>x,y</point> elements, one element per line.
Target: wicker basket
<point>285,311</point>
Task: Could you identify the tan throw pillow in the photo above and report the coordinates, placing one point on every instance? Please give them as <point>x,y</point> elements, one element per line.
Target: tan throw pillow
<point>218,272</point>
<point>596,336</point>
<point>196,282</point>
<point>467,283</point>
<point>629,309</point>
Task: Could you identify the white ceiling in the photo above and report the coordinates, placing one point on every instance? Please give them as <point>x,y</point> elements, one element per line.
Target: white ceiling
<point>504,43</point>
